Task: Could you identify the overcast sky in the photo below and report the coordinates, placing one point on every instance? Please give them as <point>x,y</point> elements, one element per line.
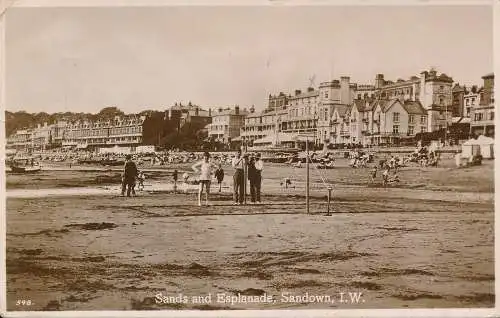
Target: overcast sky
<point>84,59</point>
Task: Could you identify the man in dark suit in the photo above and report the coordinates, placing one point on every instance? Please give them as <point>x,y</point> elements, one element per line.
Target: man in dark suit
<point>129,174</point>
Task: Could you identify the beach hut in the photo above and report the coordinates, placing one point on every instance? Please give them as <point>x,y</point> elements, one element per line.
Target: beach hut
<point>470,148</point>
<point>486,145</point>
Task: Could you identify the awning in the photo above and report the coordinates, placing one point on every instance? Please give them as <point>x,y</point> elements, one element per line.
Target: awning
<point>305,138</point>
<point>270,139</point>
<point>461,120</point>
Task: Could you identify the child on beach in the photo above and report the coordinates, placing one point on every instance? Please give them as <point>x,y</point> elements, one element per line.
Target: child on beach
<point>286,182</point>
<point>219,175</point>
<point>205,170</point>
<point>385,177</point>
<point>141,177</point>
<point>373,173</point>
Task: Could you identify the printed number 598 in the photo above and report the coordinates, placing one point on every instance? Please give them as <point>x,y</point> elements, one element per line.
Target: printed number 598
<point>23,302</point>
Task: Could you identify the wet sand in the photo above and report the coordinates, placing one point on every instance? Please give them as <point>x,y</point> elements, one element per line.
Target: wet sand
<point>416,247</point>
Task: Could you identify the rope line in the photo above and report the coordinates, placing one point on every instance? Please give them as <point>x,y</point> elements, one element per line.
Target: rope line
<point>319,172</point>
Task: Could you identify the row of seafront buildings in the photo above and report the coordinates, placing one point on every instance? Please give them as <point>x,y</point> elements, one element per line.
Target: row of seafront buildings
<point>340,112</point>
<point>337,112</point>
<point>128,131</point>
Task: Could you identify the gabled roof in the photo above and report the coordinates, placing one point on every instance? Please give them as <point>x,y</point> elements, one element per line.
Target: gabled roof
<point>414,107</point>
<point>360,104</point>
<point>341,109</point>
<point>385,104</point>
<point>458,88</point>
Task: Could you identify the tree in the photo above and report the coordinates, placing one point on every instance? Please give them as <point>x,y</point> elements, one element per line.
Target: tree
<point>110,113</point>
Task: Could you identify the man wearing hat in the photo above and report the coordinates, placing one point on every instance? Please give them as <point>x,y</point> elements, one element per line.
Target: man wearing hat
<point>259,166</point>
<point>129,174</point>
<point>238,164</point>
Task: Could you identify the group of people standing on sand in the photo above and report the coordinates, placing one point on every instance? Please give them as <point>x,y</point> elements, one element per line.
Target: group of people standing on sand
<point>206,168</point>
<point>254,165</point>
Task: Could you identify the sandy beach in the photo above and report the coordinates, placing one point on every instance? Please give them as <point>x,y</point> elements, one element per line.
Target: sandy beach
<point>74,244</point>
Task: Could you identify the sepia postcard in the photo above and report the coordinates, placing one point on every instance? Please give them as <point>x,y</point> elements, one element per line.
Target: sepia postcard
<point>248,158</point>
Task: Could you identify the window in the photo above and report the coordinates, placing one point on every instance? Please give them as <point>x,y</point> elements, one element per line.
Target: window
<point>441,101</point>
<point>467,101</point>
<point>472,100</point>
<point>411,119</point>
<point>423,129</point>
<point>411,130</point>
<point>395,129</point>
<point>359,96</point>
<point>468,111</point>
<point>395,117</point>
<point>326,94</point>
<point>422,120</point>
<point>441,87</point>
<point>492,115</point>
<point>326,113</point>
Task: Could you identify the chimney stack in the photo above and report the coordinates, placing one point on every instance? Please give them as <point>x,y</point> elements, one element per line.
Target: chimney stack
<point>297,92</point>
<point>210,112</point>
<point>237,110</point>
<point>310,89</point>
<point>344,90</point>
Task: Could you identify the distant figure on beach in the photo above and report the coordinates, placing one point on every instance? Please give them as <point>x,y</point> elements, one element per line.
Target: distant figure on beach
<point>385,176</point>
<point>129,174</point>
<point>373,173</point>
<point>255,168</point>
<point>175,175</point>
<point>286,182</point>
<point>204,167</point>
<point>219,175</point>
<point>238,164</point>
<point>185,178</point>
<point>140,178</point>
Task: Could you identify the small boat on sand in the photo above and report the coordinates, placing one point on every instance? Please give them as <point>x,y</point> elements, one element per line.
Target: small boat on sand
<point>25,165</point>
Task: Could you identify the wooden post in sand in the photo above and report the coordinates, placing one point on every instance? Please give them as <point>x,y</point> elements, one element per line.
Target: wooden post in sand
<point>245,176</point>
<point>329,199</point>
<point>307,175</point>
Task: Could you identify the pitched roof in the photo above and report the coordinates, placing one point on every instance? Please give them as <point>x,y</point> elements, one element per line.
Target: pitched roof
<point>360,104</point>
<point>383,103</point>
<point>458,88</point>
<point>341,109</point>
<point>414,107</point>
